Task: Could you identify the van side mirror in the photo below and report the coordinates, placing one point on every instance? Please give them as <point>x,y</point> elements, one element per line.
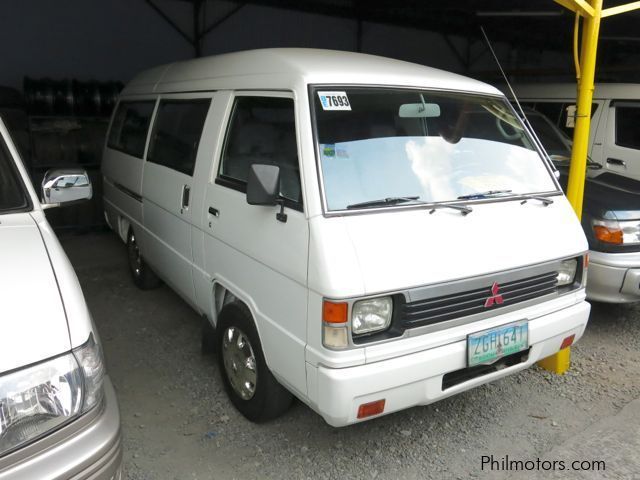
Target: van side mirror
<point>263,188</point>
<point>65,186</point>
<point>263,184</point>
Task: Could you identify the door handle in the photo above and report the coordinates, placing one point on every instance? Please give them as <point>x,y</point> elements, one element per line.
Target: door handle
<point>615,161</point>
<point>214,211</point>
<point>186,191</point>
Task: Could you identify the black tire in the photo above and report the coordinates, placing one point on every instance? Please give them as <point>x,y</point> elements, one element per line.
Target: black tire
<point>269,399</point>
<point>142,275</point>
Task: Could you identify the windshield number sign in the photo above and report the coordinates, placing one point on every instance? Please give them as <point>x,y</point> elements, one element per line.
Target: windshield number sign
<point>334,101</point>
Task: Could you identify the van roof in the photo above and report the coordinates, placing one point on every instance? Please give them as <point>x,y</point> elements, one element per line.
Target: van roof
<point>563,91</point>
<point>287,67</point>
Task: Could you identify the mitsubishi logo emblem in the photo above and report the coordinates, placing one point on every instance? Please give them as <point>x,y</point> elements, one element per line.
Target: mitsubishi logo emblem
<point>495,296</point>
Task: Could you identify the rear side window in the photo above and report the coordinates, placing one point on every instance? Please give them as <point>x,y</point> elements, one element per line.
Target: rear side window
<point>262,130</point>
<point>129,127</point>
<point>628,125</point>
<point>176,133</point>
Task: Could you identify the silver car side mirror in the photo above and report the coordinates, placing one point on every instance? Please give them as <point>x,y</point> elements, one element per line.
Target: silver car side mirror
<point>65,186</point>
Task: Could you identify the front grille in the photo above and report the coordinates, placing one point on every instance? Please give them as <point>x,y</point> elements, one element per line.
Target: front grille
<point>447,307</point>
<point>460,376</point>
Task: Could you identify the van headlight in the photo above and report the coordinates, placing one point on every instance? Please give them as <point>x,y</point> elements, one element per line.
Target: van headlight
<point>371,315</point>
<point>616,232</point>
<point>43,397</point>
<point>567,272</point>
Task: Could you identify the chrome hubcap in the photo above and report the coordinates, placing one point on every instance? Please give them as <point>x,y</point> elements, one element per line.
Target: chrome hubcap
<point>239,362</point>
<point>134,256</point>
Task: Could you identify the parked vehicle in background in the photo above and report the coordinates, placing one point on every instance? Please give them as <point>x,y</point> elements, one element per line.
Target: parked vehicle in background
<point>59,417</point>
<point>610,219</point>
<point>363,233</point>
<point>614,140</point>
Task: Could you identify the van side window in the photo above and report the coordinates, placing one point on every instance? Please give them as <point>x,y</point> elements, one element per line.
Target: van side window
<point>176,133</point>
<point>262,130</point>
<point>129,127</point>
<point>627,125</point>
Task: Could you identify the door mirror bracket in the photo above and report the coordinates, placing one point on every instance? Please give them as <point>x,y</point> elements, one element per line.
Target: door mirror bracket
<point>281,216</point>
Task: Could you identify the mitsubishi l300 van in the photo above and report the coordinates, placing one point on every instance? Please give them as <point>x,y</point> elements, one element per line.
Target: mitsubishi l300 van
<point>362,233</point>
<point>59,416</point>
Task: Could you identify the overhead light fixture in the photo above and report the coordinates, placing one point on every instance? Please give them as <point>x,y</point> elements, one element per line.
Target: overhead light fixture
<point>520,13</point>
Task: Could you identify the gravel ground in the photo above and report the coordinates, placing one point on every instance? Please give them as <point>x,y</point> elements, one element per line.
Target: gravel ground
<point>178,423</point>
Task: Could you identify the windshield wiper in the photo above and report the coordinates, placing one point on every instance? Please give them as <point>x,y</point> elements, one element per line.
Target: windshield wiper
<point>461,208</point>
<point>546,201</point>
<point>382,202</point>
<point>488,193</point>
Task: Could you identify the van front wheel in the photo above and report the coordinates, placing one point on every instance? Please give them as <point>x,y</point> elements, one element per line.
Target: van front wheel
<point>143,276</point>
<point>251,386</point>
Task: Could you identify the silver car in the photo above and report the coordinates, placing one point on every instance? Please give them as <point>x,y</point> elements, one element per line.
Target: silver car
<point>59,416</point>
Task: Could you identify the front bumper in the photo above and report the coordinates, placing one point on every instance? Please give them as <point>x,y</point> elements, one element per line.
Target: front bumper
<point>416,379</point>
<point>614,277</point>
<point>88,448</point>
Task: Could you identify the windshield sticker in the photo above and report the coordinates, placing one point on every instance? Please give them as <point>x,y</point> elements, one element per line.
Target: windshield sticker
<point>329,150</point>
<point>334,101</point>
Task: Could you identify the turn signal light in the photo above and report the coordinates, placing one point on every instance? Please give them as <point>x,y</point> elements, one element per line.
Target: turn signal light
<point>567,342</point>
<point>372,408</point>
<point>608,235</point>
<point>334,312</point>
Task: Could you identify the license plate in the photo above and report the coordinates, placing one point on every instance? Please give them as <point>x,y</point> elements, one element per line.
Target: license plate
<point>486,347</point>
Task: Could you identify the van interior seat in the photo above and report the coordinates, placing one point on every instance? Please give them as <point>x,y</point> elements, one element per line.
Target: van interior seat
<point>252,143</point>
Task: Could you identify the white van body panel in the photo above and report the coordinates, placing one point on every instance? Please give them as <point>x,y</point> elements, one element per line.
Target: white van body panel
<point>416,379</point>
<point>417,238</point>
<point>282,68</point>
<point>284,270</point>
<point>619,159</point>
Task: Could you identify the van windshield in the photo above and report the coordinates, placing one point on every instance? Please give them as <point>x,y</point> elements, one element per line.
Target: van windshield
<point>424,146</point>
<point>12,194</point>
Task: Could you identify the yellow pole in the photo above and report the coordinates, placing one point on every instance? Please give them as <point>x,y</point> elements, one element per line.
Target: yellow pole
<point>577,171</point>
<point>560,362</point>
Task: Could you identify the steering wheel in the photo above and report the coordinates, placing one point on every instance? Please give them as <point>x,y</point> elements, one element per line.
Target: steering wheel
<point>508,136</point>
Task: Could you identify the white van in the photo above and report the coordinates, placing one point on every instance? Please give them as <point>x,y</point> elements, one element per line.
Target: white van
<point>363,233</point>
<point>59,417</point>
<point>614,140</point>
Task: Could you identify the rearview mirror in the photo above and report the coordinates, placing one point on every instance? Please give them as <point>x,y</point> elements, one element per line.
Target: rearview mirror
<point>65,186</point>
<point>419,110</point>
<point>263,184</point>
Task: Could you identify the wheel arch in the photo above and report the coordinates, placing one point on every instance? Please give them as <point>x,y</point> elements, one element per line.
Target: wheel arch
<point>223,295</point>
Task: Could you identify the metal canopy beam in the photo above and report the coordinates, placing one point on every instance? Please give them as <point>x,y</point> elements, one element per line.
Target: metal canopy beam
<point>168,19</point>
<point>198,33</point>
<point>222,19</point>
<point>529,29</point>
